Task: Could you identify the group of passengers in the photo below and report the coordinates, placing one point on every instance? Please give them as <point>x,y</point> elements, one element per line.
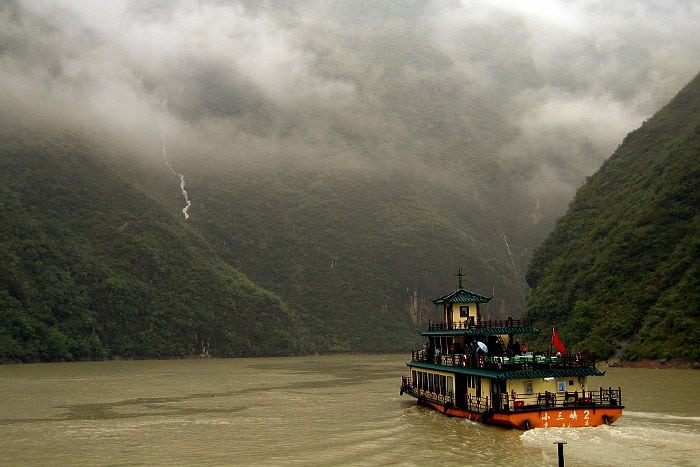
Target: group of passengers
<point>470,350</point>
<point>473,351</point>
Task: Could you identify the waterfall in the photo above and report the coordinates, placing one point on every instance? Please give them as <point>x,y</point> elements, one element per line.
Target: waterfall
<point>188,203</point>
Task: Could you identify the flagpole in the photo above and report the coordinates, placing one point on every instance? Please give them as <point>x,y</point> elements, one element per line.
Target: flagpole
<point>551,338</point>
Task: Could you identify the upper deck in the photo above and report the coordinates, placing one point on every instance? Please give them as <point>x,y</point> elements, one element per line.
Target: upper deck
<point>481,328</point>
<point>503,364</point>
<point>515,367</point>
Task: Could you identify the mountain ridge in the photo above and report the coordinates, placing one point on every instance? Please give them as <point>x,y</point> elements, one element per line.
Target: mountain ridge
<point>619,273</point>
<point>88,276</point>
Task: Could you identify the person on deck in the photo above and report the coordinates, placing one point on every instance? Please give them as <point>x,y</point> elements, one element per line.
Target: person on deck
<point>430,353</point>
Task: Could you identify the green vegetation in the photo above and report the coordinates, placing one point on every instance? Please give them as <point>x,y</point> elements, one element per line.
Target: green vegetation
<point>620,273</point>
<point>94,266</point>
<point>287,256</point>
<point>98,262</point>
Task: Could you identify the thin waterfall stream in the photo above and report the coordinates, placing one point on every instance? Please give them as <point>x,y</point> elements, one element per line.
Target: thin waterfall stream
<point>188,203</point>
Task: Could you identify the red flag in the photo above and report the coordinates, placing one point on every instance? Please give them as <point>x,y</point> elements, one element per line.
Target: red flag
<point>556,342</point>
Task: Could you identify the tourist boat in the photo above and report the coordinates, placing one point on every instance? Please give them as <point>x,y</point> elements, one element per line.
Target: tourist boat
<point>483,370</point>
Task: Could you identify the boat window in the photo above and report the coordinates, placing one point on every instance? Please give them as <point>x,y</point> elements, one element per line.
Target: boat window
<point>463,311</point>
<point>528,387</point>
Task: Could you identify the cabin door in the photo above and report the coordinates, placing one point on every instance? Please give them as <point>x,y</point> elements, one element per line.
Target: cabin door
<point>460,390</point>
<point>498,387</point>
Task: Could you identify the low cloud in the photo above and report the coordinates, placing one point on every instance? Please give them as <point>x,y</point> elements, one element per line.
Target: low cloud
<point>551,85</point>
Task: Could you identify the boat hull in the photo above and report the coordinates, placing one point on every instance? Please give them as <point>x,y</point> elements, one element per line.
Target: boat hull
<point>562,417</point>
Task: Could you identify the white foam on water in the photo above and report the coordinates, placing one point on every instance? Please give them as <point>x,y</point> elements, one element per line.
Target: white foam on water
<point>649,439</point>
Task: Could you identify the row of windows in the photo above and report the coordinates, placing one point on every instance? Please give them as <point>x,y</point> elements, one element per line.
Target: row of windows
<point>431,382</point>
<point>441,384</point>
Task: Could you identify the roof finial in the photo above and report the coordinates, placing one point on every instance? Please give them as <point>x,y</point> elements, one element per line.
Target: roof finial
<point>459,277</point>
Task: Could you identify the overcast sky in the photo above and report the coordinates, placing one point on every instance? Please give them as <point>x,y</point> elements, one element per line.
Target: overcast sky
<point>564,81</point>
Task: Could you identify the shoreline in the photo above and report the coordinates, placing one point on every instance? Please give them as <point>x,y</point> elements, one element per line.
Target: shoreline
<point>659,364</point>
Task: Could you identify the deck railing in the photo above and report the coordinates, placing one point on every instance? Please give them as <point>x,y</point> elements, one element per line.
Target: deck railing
<point>518,362</point>
<point>602,397</point>
<point>473,403</point>
<point>469,324</point>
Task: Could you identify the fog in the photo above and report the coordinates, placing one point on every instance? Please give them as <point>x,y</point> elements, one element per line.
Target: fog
<point>549,88</point>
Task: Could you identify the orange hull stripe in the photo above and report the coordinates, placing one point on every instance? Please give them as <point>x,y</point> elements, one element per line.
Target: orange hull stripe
<point>546,418</point>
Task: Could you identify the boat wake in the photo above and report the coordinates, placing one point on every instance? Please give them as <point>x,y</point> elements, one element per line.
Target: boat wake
<point>661,416</point>
<point>644,439</point>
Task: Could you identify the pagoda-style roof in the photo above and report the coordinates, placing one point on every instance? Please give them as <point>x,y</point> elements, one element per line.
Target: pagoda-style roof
<point>461,296</point>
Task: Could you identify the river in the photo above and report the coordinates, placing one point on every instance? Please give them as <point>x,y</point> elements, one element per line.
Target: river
<point>304,411</point>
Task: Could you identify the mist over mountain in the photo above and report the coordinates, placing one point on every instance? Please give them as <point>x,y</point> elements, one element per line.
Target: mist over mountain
<point>550,89</point>
<point>619,274</point>
<point>347,156</point>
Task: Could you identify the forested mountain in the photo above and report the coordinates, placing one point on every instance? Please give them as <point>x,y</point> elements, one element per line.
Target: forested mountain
<point>620,274</point>
<point>96,265</point>
<point>98,261</point>
<point>342,160</point>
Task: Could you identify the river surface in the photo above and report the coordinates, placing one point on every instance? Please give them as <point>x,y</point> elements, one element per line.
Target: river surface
<point>337,410</point>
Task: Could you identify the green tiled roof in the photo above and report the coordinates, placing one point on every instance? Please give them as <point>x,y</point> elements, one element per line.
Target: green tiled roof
<point>513,374</point>
<point>482,331</point>
<point>461,296</point>
<point>551,373</point>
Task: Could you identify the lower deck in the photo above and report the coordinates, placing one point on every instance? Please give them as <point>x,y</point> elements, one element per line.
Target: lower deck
<point>496,401</point>
<point>527,418</point>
